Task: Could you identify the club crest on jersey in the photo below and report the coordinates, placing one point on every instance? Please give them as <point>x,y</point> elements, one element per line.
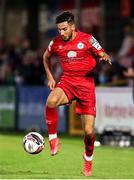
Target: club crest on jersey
<point>80,45</point>
<point>71,54</point>
<point>95,43</point>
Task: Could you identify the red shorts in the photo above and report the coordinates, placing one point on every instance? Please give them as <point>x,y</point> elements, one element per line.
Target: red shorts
<point>82,90</point>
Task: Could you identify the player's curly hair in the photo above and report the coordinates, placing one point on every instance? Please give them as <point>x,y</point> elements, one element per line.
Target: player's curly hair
<point>65,16</point>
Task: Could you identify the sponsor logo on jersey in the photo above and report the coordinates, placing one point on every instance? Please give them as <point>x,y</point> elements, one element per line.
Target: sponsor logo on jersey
<point>95,43</point>
<point>60,46</point>
<point>80,45</point>
<point>71,54</point>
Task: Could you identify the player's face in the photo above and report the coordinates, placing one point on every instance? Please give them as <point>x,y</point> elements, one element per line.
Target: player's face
<point>66,30</point>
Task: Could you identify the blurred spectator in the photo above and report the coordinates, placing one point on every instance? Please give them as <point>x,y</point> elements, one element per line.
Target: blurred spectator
<point>126,46</point>
<point>110,75</point>
<point>38,69</point>
<point>126,42</point>
<point>31,71</point>
<point>3,62</point>
<point>131,51</point>
<point>25,45</point>
<point>21,65</point>
<point>102,74</point>
<point>129,73</point>
<point>24,74</point>
<point>3,69</point>
<point>117,71</point>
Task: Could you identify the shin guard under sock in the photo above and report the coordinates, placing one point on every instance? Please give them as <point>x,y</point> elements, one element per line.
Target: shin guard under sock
<point>89,144</point>
<point>52,119</point>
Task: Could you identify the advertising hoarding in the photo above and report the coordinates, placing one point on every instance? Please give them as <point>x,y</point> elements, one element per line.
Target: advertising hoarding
<point>31,109</point>
<point>115,110</point>
<point>7,107</point>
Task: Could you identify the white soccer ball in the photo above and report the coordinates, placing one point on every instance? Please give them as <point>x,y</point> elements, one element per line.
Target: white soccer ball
<point>33,143</point>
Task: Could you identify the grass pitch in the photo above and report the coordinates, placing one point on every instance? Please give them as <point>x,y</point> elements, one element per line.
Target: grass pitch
<point>109,162</point>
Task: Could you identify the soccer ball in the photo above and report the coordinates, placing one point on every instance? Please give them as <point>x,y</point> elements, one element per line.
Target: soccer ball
<point>33,143</point>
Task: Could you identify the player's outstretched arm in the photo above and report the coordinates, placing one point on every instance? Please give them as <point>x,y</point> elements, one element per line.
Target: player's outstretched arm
<point>105,57</point>
<point>46,60</point>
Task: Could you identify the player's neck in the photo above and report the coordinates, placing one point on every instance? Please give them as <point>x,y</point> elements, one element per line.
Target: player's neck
<point>73,35</point>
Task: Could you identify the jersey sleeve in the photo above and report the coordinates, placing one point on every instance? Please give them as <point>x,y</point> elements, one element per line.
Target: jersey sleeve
<point>94,46</point>
<point>50,47</point>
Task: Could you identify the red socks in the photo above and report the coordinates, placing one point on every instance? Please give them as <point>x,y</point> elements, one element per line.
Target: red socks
<point>52,123</point>
<point>89,145</point>
<point>52,119</point>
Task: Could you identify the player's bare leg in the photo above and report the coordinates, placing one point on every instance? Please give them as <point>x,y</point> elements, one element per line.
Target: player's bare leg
<point>89,138</point>
<point>57,97</point>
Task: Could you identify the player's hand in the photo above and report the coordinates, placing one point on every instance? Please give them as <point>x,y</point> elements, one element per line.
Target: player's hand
<point>51,84</point>
<point>106,58</point>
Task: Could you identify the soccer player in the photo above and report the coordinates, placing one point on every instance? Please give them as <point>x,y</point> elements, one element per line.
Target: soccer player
<point>77,52</point>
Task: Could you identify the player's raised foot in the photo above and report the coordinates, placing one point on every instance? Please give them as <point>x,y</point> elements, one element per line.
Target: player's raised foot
<point>54,146</point>
<point>87,168</point>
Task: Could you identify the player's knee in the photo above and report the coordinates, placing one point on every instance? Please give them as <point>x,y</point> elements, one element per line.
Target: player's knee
<point>88,131</point>
<point>52,102</point>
